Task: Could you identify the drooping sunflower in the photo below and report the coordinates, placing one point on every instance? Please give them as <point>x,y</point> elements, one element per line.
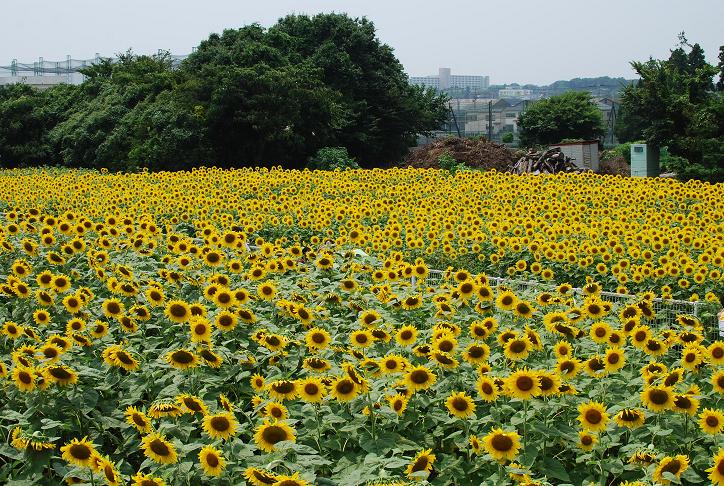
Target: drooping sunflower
<point>283,390</point>
<point>269,434</point>
<point>317,365</point>
<point>221,425</point>
<point>673,465</point>
<point>157,448</point>
<point>419,378</point>
<point>685,403</point>
<point>711,421</point>
<point>141,479</point>
<point>192,403</point>
<point>212,461</point>
<point>523,384</point>
<point>502,446</point>
<point>631,418</point>
<point>412,302</point>
<point>421,465</point>
<point>460,405</point>
<point>293,480</point>
<point>61,375</point>
<point>164,409</point>
<point>593,416</point>
<point>78,452</point>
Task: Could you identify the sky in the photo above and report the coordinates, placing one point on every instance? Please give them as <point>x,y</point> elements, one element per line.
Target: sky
<point>523,41</point>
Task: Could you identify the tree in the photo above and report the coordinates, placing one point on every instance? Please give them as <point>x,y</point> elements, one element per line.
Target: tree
<point>676,105</point>
<point>571,115</point>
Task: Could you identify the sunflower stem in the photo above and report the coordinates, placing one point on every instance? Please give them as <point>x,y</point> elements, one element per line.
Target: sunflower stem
<point>525,425</point>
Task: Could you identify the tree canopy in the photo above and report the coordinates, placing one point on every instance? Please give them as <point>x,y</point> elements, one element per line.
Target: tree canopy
<point>676,104</point>
<point>247,96</point>
<point>571,115</point>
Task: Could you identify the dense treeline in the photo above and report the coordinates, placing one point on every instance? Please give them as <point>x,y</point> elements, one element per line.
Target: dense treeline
<point>678,103</point>
<point>249,96</point>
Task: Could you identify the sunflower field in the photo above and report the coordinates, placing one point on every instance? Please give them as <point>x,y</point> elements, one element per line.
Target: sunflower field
<point>274,327</point>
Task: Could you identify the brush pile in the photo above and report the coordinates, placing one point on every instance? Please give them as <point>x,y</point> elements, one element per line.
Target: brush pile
<point>551,161</point>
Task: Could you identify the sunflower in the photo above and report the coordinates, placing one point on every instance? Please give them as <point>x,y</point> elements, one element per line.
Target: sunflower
<point>412,302</point>
<point>549,383</point>
<point>275,410</point>
<point>24,378</point>
<point>460,405</point>
<point>369,317</point>
<point>614,360</point>
<point>138,419</point>
<point>716,471</point>
<point>685,404</point>
<point>61,375</point>
<point>283,390</point>
<point>593,416</point>
<point>200,330</point>
<point>502,446</point>
<point>293,480</point>
<point>658,398</point>
<point>212,462</point>
<point>673,465</point>
<point>79,452</point>
<point>506,300</point>
<point>523,384</point>
<point>631,418</point>
<point>312,390</point>
<point>41,317</point>
<point>112,308</point>
<point>269,434</point>
<point>421,465</point>
<point>266,291</point>
<point>599,332</point>
<point>419,378</point>
<point>361,338</point>
<point>518,348</point>
<point>318,365</point>
<point>406,335</point>
<point>178,311</point>
<point>563,350</point>
<point>717,381</point>
<point>586,440</point>
<point>476,353</point>
<point>487,389</point>
<point>157,448</point>
<point>226,321</point>
<point>221,425</point>
<point>182,359</point>
<point>141,479</point>
<point>192,403</point>
<point>392,363</point>
<point>523,309</point>
<point>165,409</point>
<point>344,389</point>
<point>715,353</point>
<point>260,477</point>
<point>398,403</point>
<point>246,315</point>
<point>711,421</point>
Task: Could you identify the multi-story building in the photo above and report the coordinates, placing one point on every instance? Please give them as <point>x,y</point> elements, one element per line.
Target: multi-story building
<point>446,80</point>
<point>519,93</point>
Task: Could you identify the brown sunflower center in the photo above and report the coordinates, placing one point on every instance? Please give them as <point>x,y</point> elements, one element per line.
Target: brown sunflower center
<point>177,310</point>
<point>659,397</point>
<point>182,357</point>
<point>524,383</point>
<point>80,451</point>
<point>220,424</point>
<point>274,434</point>
<point>518,346</point>
<point>593,416</point>
<point>159,447</point>
<point>501,443</point>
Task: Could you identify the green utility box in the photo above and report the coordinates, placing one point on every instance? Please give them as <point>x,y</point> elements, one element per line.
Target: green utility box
<point>644,160</point>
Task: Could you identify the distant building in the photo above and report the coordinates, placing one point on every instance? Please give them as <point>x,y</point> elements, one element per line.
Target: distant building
<point>446,80</point>
<point>518,93</point>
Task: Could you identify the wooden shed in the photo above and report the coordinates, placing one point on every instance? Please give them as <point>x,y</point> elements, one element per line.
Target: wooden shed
<point>584,153</point>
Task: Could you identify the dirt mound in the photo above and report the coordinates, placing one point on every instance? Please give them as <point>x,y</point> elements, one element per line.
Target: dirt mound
<point>477,152</point>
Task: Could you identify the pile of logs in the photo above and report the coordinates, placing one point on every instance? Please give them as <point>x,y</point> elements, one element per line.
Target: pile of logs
<point>551,161</point>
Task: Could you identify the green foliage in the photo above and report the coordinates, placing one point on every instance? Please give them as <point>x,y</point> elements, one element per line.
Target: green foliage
<point>570,115</point>
<point>676,104</point>
<point>508,137</point>
<point>332,158</point>
<point>447,162</point>
<point>247,96</point>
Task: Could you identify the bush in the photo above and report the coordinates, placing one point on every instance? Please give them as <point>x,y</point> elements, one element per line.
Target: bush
<point>449,163</point>
<point>331,158</point>
<point>508,138</point>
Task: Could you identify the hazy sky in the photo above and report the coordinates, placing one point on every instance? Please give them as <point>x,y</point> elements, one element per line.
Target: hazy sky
<point>525,41</point>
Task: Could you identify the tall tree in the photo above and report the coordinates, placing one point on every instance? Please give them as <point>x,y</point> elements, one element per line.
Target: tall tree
<point>675,104</point>
<point>571,115</point>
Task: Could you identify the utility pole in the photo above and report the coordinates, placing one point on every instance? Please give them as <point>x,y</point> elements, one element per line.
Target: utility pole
<point>490,120</point>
